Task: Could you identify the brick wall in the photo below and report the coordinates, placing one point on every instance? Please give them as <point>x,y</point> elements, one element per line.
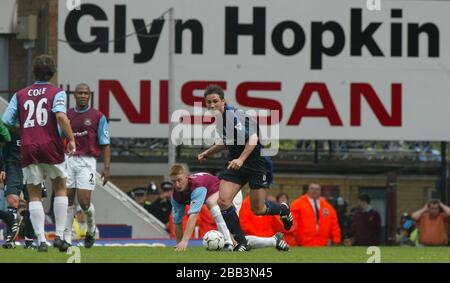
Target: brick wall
<point>18,63</point>
<point>412,192</point>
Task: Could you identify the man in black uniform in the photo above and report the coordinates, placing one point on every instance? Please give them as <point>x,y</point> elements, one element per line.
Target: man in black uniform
<point>12,176</point>
<point>162,206</point>
<point>245,165</point>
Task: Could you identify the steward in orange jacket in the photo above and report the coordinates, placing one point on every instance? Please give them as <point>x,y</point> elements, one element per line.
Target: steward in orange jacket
<point>254,225</point>
<point>310,234</point>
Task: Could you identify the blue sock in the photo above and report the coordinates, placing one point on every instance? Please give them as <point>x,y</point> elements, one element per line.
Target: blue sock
<point>232,220</point>
<point>274,208</point>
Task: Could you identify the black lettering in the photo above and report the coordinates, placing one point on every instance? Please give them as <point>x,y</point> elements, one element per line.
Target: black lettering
<point>317,47</point>
<point>359,37</point>
<point>257,30</point>
<point>147,41</point>
<point>100,33</point>
<point>396,34</point>
<point>196,29</point>
<point>277,38</point>
<point>414,30</point>
<point>120,13</point>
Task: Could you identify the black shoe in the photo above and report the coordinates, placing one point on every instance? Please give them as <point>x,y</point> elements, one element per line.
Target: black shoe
<point>89,241</point>
<point>287,218</point>
<point>57,242</point>
<point>242,248</point>
<point>29,245</point>
<point>43,248</point>
<point>14,229</point>
<point>9,245</point>
<point>64,247</point>
<point>281,244</point>
<point>60,244</point>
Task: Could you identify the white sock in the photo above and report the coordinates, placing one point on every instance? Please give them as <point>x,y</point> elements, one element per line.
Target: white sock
<point>261,242</point>
<point>69,223</point>
<point>90,219</point>
<point>221,225</point>
<point>37,217</point>
<point>60,209</point>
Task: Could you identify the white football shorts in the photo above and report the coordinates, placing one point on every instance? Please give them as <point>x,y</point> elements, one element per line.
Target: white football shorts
<point>81,172</point>
<point>35,173</point>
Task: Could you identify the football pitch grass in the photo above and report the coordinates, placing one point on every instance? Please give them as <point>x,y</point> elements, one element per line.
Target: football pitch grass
<point>200,255</point>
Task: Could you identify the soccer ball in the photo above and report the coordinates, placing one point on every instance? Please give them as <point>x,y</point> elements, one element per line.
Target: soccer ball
<point>213,240</point>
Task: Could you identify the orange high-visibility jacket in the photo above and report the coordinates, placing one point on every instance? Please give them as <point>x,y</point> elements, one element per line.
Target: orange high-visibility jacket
<point>252,224</point>
<point>304,215</point>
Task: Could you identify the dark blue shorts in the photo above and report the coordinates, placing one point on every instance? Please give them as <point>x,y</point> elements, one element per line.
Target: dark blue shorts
<point>14,181</point>
<point>256,172</point>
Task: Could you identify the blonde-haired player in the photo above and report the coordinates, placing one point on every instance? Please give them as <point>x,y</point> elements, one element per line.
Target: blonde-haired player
<point>203,188</point>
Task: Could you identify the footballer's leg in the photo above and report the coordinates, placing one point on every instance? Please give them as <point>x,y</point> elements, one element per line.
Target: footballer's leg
<point>72,174</point>
<point>58,176</point>
<point>260,180</point>
<point>84,199</point>
<point>14,186</point>
<point>28,226</point>
<point>37,215</point>
<point>33,177</point>
<point>28,229</point>
<point>228,191</point>
<point>275,241</point>
<point>86,184</point>
<point>261,206</point>
<point>15,219</point>
<point>71,192</point>
<point>213,207</point>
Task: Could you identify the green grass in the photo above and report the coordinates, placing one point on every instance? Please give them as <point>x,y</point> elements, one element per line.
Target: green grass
<point>198,255</point>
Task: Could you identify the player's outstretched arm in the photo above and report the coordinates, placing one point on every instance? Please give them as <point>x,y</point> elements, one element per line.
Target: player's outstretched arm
<point>210,151</point>
<point>64,123</point>
<point>183,244</point>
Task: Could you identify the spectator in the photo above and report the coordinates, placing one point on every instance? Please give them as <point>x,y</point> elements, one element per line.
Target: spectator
<point>366,224</point>
<point>79,226</point>
<point>252,224</point>
<point>344,220</point>
<point>433,223</point>
<point>407,229</point>
<point>162,206</point>
<point>139,195</point>
<point>282,197</point>
<point>152,194</point>
<point>317,223</point>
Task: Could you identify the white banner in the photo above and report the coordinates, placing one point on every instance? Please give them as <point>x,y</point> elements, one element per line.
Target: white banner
<point>375,70</point>
<point>8,16</point>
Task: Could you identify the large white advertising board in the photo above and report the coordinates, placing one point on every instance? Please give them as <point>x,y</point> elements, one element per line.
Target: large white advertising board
<point>333,69</point>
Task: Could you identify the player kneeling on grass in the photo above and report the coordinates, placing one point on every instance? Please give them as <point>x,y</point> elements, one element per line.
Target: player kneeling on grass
<point>203,188</point>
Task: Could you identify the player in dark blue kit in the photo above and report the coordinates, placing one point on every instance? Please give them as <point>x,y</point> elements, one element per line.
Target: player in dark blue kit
<point>11,174</point>
<point>239,134</point>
